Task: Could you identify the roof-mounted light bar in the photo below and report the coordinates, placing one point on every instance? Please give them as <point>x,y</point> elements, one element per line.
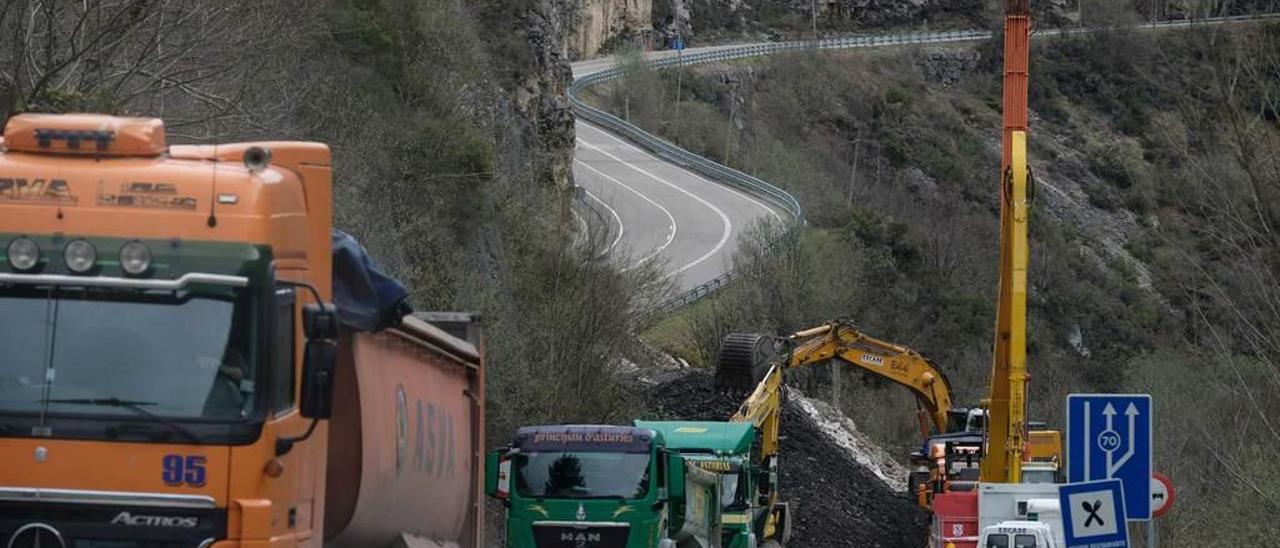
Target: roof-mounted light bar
<point>85,134</point>
<point>125,283</point>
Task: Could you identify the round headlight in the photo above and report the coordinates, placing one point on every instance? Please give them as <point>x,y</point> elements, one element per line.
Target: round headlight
<point>24,254</point>
<point>135,257</point>
<point>80,256</point>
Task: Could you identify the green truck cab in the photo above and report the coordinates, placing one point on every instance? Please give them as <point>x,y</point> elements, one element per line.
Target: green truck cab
<point>571,486</point>
<point>725,448</point>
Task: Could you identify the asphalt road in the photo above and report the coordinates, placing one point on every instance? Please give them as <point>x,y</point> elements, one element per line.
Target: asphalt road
<point>657,211</point>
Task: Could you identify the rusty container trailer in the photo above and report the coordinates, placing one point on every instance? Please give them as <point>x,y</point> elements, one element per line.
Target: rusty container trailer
<point>406,439</point>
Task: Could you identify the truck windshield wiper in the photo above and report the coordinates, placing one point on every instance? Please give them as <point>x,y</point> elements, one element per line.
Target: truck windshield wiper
<point>135,406</point>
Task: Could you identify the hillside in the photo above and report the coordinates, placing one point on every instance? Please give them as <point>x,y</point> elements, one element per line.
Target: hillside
<point>1152,256</point>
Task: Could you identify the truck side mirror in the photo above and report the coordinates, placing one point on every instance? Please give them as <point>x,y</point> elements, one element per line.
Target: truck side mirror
<point>675,476</point>
<point>497,475</point>
<point>319,361</point>
<point>320,321</point>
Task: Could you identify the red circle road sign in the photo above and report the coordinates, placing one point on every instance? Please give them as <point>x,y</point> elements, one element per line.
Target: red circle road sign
<point>1162,495</point>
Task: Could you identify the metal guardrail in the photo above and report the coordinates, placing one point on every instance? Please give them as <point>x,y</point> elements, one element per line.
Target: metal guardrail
<point>753,185</point>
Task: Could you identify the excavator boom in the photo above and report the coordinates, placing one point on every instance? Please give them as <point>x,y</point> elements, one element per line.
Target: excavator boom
<point>763,408</point>
<point>743,357</point>
<point>899,364</point>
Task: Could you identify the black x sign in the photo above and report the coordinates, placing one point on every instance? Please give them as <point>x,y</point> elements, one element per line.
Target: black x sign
<point>1093,509</point>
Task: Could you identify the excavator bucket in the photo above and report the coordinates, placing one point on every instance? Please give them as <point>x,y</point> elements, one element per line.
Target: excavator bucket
<point>744,358</point>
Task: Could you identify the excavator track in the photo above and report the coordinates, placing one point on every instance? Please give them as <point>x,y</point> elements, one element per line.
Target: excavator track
<point>744,359</point>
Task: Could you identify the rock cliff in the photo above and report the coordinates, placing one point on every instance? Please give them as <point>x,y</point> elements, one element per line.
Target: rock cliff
<point>600,24</point>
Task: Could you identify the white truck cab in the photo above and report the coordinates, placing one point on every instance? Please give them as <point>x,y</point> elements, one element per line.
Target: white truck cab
<point>1032,507</point>
<point>1018,534</point>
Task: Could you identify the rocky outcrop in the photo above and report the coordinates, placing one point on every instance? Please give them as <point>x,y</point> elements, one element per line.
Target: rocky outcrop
<point>672,18</point>
<point>541,90</point>
<point>601,23</point>
<point>527,42</point>
<point>1188,9</point>
<point>896,12</point>
<point>947,66</point>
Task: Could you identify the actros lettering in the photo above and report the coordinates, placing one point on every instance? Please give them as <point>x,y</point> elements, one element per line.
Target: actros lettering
<point>141,520</point>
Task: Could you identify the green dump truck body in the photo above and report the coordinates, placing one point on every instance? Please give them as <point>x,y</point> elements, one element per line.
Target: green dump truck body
<point>723,448</point>
<point>602,487</point>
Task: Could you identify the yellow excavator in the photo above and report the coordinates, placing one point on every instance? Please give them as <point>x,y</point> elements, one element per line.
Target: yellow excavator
<point>749,359</point>
<point>745,358</point>
<point>955,446</point>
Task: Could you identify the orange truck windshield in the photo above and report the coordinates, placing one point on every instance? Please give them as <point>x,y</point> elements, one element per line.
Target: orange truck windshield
<point>108,352</point>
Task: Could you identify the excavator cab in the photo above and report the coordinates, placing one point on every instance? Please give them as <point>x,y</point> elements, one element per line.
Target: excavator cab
<point>966,419</point>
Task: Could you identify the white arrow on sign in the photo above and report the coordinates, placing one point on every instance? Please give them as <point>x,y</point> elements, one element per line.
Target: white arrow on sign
<point>1110,413</point>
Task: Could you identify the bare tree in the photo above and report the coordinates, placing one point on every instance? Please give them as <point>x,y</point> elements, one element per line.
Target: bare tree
<point>190,61</point>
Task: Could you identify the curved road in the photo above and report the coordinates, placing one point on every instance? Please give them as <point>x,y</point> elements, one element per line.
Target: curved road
<point>659,211</point>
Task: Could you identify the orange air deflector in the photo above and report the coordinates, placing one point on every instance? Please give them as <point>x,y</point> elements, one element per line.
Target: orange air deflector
<point>88,134</point>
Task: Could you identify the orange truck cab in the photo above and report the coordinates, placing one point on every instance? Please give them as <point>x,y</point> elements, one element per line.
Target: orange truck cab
<point>170,357</point>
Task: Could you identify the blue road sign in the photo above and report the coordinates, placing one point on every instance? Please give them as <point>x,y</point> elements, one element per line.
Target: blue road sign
<point>678,44</point>
<point>1093,514</point>
<point>1109,437</point>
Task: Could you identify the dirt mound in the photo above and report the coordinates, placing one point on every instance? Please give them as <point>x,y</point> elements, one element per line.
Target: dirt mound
<point>839,503</point>
<point>842,430</point>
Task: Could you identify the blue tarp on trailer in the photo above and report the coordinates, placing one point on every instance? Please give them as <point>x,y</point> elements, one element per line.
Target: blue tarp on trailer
<point>367,298</point>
